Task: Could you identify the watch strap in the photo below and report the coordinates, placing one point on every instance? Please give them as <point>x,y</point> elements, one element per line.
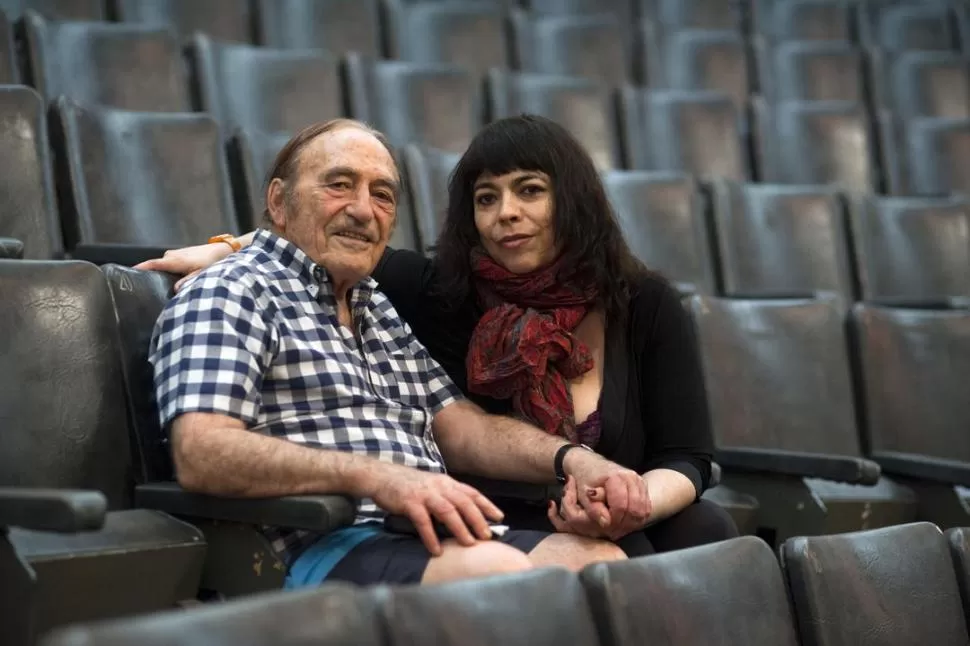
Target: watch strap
<point>561,457</point>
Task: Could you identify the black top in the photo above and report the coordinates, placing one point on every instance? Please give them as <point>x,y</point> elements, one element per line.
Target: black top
<point>653,406</point>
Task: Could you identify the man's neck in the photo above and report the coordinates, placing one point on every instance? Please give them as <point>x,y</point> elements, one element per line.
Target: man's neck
<point>341,293</point>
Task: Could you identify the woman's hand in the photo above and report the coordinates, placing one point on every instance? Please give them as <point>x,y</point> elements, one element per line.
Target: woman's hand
<point>187,261</point>
<point>570,517</point>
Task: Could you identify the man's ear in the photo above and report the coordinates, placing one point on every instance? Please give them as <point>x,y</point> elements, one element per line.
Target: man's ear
<point>276,203</point>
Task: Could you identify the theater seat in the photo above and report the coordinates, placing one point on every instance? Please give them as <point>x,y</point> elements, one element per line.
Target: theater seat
<point>812,71</point>
<point>335,615</point>
<point>582,106</point>
<point>29,211</point>
<point>913,250</point>
<point>126,66</point>
<point>427,172</point>
<point>336,26</point>
<point>55,9</point>
<point>703,60</point>
<point>229,20</point>
<point>912,367</point>
<point>937,156</point>
<point>729,593</point>
<point>780,392</point>
<point>778,240</point>
<point>135,183</point>
<point>270,90</point>
<point>492,609</point>
<point>888,587</point>
<point>240,560</point>
<point>900,26</point>
<point>662,217</point>
<point>65,460</point>
<point>9,69</point>
<point>795,20</point>
<point>594,47</point>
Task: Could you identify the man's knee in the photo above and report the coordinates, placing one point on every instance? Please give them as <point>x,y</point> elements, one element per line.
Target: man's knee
<point>483,559</point>
<point>574,552</point>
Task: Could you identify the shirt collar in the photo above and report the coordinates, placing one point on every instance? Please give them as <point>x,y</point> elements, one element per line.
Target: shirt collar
<point>297,261</point>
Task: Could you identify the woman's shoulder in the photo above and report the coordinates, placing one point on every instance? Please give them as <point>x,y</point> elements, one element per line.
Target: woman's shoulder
<point>655,303</point>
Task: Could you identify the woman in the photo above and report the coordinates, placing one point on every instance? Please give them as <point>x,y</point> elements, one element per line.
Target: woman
<point>536,307</point>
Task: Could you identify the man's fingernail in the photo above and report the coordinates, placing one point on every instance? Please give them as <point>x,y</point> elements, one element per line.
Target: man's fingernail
<point>603,521</point>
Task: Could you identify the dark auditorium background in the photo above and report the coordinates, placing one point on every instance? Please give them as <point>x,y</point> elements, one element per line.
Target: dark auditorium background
<point>798,168</point>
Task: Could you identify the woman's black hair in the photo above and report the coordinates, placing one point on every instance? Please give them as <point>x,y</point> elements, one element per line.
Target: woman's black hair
<point>585,226</point>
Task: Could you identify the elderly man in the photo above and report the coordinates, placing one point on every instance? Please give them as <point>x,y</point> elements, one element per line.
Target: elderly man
<point>280,370</point>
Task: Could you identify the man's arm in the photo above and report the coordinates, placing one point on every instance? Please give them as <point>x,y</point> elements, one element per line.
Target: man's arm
<point>473,442</point>
<point>215,454</point>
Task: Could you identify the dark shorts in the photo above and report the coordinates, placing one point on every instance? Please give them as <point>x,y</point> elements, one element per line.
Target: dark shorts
<point>401,558</point>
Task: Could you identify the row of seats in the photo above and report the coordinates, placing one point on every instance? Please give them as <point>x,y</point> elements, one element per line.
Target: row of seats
<point>827,429</point>
<point>131,183</point>
<point>897,586</point>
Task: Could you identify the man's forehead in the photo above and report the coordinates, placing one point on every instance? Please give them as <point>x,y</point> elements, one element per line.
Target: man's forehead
<point>349,148</point>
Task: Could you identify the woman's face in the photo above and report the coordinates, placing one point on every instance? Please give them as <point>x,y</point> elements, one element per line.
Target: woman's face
<point>514,217</point>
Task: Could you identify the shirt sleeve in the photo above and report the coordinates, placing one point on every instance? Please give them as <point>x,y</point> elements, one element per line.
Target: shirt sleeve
<point>209,351</point>
<point>673,396</point>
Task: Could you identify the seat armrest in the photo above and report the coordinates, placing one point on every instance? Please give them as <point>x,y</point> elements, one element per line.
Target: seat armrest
<point>11,248</point>
<point>314,513</point>
<point>52,510</point>
<point>924,467</point>
<point>121,254</point>
<point>528,492</point>
<point>839,468</point>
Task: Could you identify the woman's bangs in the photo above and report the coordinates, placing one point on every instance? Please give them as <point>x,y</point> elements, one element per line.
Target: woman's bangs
<point>502,148</point>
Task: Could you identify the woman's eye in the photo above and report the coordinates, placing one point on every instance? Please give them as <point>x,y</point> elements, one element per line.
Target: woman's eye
<point>532,189</point>
<point>484,200</point>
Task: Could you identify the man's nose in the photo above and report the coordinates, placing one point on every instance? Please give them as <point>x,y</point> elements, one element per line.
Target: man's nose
<point>360,208</point>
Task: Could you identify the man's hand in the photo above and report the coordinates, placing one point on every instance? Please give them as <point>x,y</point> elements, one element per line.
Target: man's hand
<point>613,496</point>
<point>421,496</point>
<point>570,517</point>
<point>188,261</point>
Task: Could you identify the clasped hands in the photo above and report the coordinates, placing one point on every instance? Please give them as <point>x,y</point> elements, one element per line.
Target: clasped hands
<point>600,498</point>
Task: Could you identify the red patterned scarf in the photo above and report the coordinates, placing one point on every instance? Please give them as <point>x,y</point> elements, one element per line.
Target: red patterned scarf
<point>523,347</point>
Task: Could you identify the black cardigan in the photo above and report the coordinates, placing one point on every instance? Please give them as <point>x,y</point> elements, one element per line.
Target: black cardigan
<point>653,406</point>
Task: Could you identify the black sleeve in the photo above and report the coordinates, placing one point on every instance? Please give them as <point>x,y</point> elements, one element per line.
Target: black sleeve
<point>674,402</point>
<point>405,277</point>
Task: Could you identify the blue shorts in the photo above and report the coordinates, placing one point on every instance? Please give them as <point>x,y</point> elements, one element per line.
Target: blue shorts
<point>366,554</point>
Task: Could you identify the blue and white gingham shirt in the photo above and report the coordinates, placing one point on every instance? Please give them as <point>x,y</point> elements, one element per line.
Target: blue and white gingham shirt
<point>256,337</point>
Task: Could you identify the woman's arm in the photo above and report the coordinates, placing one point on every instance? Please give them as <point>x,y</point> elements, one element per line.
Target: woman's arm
<point>680,445</point>
<point>188,261</point>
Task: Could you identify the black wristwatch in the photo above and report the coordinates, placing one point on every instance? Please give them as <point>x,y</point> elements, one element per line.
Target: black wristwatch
<point>561,457</point>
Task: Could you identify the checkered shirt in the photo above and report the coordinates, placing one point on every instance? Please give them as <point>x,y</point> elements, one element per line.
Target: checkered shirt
<point>256,337</point>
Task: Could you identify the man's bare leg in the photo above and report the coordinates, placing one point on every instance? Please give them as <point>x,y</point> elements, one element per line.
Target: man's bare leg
<point>482,559</point>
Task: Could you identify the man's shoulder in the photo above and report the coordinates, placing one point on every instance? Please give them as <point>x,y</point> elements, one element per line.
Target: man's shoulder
<point>390,322</point>
<point>247,272</point>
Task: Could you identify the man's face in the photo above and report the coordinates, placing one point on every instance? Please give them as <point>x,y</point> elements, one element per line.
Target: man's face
<point>340,206</point>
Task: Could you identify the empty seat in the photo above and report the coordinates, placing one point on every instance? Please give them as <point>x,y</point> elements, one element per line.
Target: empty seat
<point>251,157</point>
<point>804,20</point>
<point>66,427</point>
<point>703,60</point>
<point>582,106</point>
<point>912,250</point>
<point>913,366</point>
<point>891,587</point>
<point>591,47</point>
<point>283,619</point>
<point>901,26</point>
<point>938,156</point>
<point>140,180</point>
<point>29,210</point>
<point>734,589</point>
<point>781,399</point>
<point>221,19</point>
<point>698,14</point>
<point>816,142</point>
<point>427,174</point>
<point>270,90</point>
<point>472,35</point>
<point>812,71</point>
<point>338,26</point>
<point>692,132</point>
<point>662,218</point>
<point>132,67</point>
<point>55,9</point>
<point>492,609</point>
<point>622,9</point>
<point>435,105</point>
<point>777,240</point>
<point>924,84</point>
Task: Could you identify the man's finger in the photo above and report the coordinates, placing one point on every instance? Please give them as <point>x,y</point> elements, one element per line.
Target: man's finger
<point>422,522</point>
<point>555,518</point>
<point>490,509</point>
<point>446,513</point>
<point>472,515</point>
